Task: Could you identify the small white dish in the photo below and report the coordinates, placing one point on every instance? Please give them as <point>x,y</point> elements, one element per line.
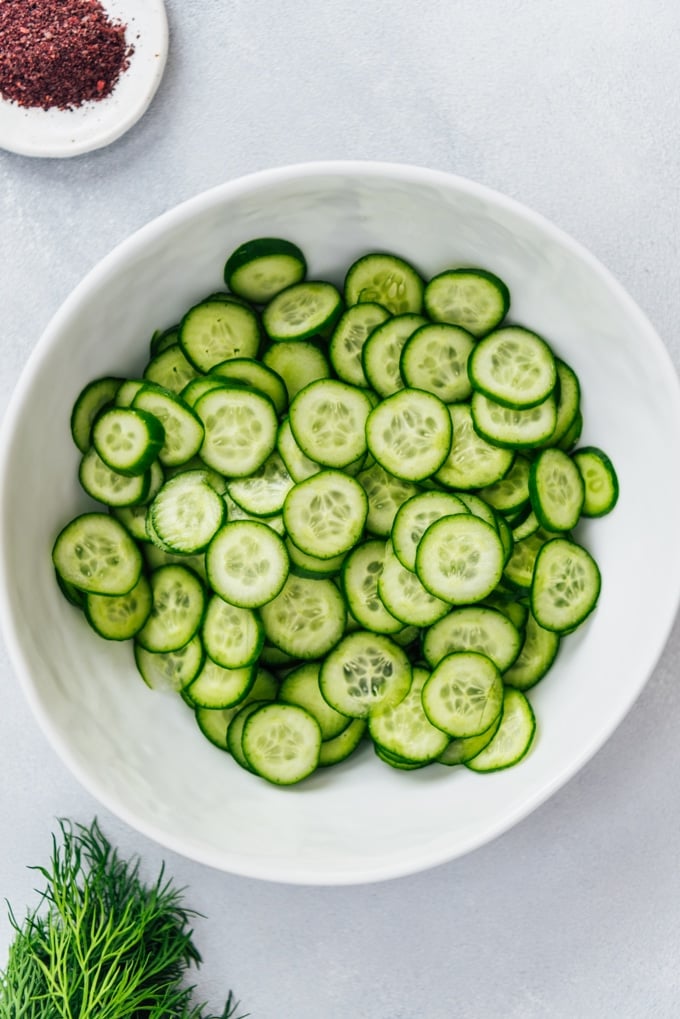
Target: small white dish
<point>30,131</point>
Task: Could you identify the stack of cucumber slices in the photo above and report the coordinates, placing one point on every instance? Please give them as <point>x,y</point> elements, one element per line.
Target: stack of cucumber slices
<point>334,515</point>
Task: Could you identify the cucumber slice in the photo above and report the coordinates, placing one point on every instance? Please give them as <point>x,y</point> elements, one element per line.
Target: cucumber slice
<point>360,578</point>
<point>235,731</point>
<point>475,299</point>
<point>363,672</point>
<point>480,629</point>
<point>328,420</point>
<point>348,340</point>
<point>460,559</point>
<point>301,687</point>
<point>473,462</point>
<point>600,481</point>
<point>127,391</point>
<point>519,569</point>
<point>538,653</point>
<point>186,513</point>
<point>511,493</point>
<point>247,563</point>
<point>108,486</point>
<point>178,604</point>
<point>464,694</point>
<point>162,339</point>
<point>214,331</point>
<point>170,369</point>
<point>513,367</point>
<point>325,515</point>
<point>409,434</point>
<point>513,738</point>
<point>557,490</point>
<point>381,355</point>
<point>387,280</point>
<point>404,728</point>
<point>568,399</point>
<point>435,358</point>
<point>404,596</point>
<point>298,465</point>
<point>260,269</point>
<point>305,565</point>
<point>303,310</point>
<point>232,636</point>
<point>90,401</point>
<point>281,742</point>
<point>240,430</point>
<point>459,751</point>
<point>385,495</point>
<point>566,585</point>
<point>298,363</point>
<point>214,722</point>
<point>338,749</point>
<point>253,373</point>
<point>183,428</point>
<point>414,518</point>
<point>510,428</point>
<point>217,687</point>
<point>264,492</point>
<point>306,619</point>
<point>96,554</point>
<point>119,617</point>
<point>172,670</point>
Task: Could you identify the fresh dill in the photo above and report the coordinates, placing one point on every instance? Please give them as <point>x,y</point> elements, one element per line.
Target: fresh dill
<point>102,944</point>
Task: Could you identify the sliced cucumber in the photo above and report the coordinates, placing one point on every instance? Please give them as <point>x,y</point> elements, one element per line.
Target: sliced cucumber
<point>178,604</point>
<point>557,490</point>
<point>240,430</point>
<point>513,737</point>
<point>307,618</point>
<point>435,358</point>
<point>260,269</point>
<point>214,331</point>
<point>381,354</point>
<point>232,636</point>
<point>298,363</point>
<point>513,367</point>
<point>217,687</point>
<point>247,563</point>
<point>172,670</point>
<point>566,585</point>
<point>414,518</point>
<point>404,595</point>
<point>328,421</point>
<point>387,280</point>
<point>338,749</point>
<point>253,373</point>
<point>183,428</point>
<point>108,486</point>
<point>600,481</point>
<point>385,495</point>
<point>348,340</point>
<point>171,369</point>
<point>282,743</point>
<point>90,401</point>
<point>365,671</point>
<point>463,695</point>
<point>510,428</point>
<point>473,628</point>
<point>301,687</point>
<point>360,577</point>
<point>473,462</point>
<point>96,554</point>
<point>186,513</point>
<point>303,310</point>
<point>459,751</point>
<point>460,559</point>
<point>538,653</point>
<point>474,299</point>
<point>409,434</point>
<point>119,617</point>
<point>404,728</point>
<point>325,515</point>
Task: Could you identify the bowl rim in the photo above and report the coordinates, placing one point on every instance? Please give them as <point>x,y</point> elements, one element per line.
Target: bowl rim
<point>430,856</point>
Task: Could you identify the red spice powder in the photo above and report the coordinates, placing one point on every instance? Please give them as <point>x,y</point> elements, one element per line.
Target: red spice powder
<point>59,53</point>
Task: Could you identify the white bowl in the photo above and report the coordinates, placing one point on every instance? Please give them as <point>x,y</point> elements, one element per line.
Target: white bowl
<point>139,752</point>
<point>60,133</point>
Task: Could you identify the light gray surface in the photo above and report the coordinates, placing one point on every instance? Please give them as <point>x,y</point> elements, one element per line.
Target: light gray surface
<point>574,110</point>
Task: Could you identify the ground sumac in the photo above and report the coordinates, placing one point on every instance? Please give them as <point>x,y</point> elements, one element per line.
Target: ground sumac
<point>59,53</point>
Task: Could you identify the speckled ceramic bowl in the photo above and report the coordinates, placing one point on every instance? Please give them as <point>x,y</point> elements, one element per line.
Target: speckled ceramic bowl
<point>140,752</point>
